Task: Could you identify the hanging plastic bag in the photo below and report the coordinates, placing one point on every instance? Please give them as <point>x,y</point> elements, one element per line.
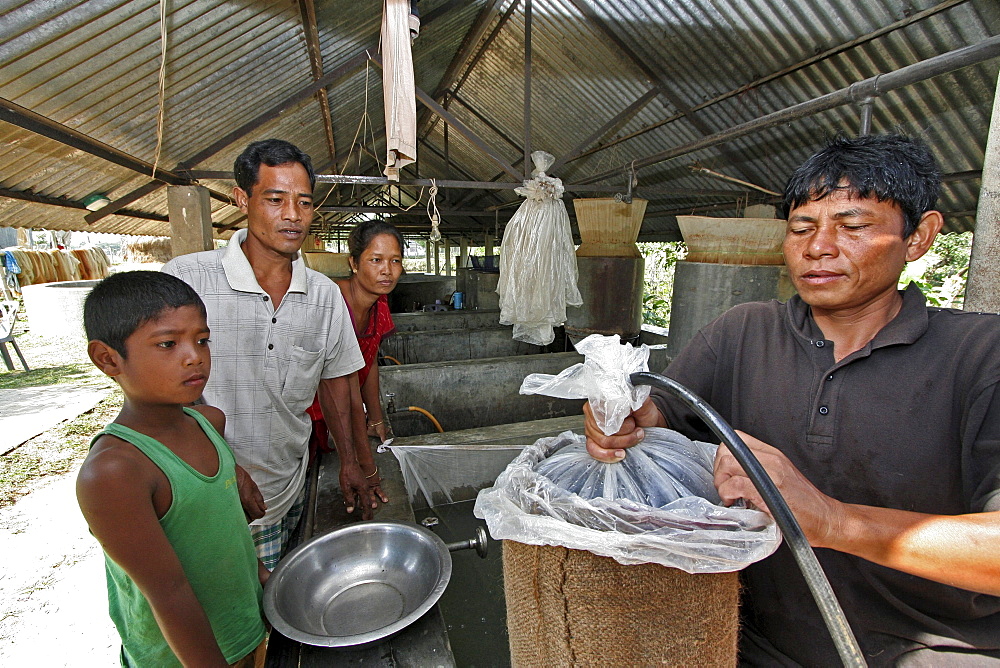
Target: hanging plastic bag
<point>602,378</point>
<point>538,271</point>
<point>532,502</point>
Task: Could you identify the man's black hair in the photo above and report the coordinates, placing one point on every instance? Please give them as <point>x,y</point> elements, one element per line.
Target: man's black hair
<point>121,303</point>
<point>892,168</point>
<point>270,152</point>
<point>363,233</point>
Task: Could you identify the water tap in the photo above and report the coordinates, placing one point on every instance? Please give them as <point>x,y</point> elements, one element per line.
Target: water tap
<point>390,406</point>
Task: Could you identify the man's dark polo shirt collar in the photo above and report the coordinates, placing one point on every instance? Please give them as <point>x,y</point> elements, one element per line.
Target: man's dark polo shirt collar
<point>906,328</point>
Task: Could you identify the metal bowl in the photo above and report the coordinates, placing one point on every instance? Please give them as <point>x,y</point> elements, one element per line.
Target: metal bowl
<point>358,584</point>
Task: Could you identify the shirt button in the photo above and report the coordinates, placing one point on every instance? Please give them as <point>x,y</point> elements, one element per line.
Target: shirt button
<point>270,346</point>
<point>823,410</point>
<point>266,298</point>
<point>820,344</point>
<point>274,320</point>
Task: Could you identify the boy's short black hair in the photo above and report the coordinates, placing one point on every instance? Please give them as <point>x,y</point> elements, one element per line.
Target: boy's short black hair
<point>893,168</point>
<point>270,152</point>
<point>121,303</point>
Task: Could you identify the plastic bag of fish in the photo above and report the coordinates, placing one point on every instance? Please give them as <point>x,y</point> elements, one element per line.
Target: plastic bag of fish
<point>658,505</point>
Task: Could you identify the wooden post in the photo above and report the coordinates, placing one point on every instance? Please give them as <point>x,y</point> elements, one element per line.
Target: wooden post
<point>190,216</point>
<point>437,259</point>
<point>447,257</point>
<point>463,252</point>
<point>982,292</point>
<point>489,244</point>
<point>427,253</point>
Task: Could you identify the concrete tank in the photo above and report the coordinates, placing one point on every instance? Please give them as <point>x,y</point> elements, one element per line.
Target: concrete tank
<point>610,269</point>
<point>56,309</point>
<point>730,261</point>
<point>611,288</point>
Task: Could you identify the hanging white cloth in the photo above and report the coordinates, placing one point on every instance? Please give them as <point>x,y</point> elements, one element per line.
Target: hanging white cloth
<point>538,271</point>
<point>398,88</point>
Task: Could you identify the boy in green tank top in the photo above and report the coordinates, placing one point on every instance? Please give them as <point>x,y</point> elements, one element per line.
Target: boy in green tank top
<point>159,487</point>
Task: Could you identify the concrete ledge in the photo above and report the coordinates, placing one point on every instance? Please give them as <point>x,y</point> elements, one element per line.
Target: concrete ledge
<point>464,319</point>
<point>454,344</point>
<point>520,433</point>
<point>473,393</point>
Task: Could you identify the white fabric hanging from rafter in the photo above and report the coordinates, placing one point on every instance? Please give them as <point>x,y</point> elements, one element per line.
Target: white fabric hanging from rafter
<point>398,88</point>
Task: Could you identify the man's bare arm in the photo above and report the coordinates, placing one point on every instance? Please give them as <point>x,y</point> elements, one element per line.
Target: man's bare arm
<point>336,403</point>
<point>957,550</point>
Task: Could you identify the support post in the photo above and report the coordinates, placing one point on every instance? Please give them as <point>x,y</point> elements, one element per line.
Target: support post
<point>427,253</point>
<point>447,257</point>
<point>437,260</point>
<point>982,292</point>
<point>190,217</point>
<point>488,244</point>
<point>463,251</point>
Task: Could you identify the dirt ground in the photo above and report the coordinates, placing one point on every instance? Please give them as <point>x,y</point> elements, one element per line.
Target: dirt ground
<point>53,598</point>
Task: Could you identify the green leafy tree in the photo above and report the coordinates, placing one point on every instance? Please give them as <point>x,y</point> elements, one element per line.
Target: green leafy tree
<point>941,273</point>
<point>658,282</point>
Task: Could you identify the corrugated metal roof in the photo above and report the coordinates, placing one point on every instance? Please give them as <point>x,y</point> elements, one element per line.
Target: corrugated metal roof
<point>94,68</point>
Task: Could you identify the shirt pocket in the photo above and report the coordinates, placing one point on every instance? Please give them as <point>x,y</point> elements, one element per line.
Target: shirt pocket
<point>302,375</point>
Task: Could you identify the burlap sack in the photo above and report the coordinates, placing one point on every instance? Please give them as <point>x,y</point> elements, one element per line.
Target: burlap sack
<point>572,608</point>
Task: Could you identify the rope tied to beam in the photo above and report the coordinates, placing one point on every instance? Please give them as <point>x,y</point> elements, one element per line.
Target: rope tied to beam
<point>433,213</point>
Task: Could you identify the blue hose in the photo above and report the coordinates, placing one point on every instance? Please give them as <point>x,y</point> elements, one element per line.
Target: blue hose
<point>819,586</point>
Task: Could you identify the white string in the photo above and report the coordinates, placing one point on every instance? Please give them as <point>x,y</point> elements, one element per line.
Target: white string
<point>433,213</point>
<point>419,197</point>
<point>162,84</point>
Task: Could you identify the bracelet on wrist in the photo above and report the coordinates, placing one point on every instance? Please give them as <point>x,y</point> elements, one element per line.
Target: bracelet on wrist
<point>375,424</point>
<point>373,473</point>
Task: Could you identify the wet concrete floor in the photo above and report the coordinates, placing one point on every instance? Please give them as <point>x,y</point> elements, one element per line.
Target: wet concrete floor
<point>473,604</point>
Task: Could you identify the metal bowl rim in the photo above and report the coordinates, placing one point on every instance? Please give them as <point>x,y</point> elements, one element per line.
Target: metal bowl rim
<point>293,633</point>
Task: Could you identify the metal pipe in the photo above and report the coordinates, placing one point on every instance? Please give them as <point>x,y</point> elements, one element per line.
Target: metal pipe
<point>866,105</point>
<point>871,87</point>
<point>819,586</point>
<point>527,89</point>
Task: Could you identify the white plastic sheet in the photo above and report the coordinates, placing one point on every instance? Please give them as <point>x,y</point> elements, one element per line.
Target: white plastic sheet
<point>690,533</point>
<point>602,379</point>
<point>538,271</point>
<point>439,474</point>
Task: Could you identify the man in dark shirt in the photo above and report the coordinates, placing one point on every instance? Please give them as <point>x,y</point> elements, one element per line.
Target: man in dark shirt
<point>877,417</point>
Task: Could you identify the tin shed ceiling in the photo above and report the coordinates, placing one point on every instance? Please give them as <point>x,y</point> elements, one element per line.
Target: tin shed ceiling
<point>612,82</point>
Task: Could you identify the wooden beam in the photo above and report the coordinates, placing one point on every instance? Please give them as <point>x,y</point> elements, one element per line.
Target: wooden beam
<point>475,59</point>
<point>351,66</point>
<point>459,127</point>
<point>619,119</point>
<point>29,120</point>
<point>122,202</point>
<point>307,9</point>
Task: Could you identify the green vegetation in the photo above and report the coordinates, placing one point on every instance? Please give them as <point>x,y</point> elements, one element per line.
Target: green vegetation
<point>661,258</point>
<point>78,374</point>
<point>941,273</point>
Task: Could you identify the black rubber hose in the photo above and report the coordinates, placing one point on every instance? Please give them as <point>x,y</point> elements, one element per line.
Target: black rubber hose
<point>819,586</point>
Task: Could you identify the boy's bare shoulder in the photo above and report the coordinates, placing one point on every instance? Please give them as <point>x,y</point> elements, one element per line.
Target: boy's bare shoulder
<point>214,415</point>
<point>113,460</point>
